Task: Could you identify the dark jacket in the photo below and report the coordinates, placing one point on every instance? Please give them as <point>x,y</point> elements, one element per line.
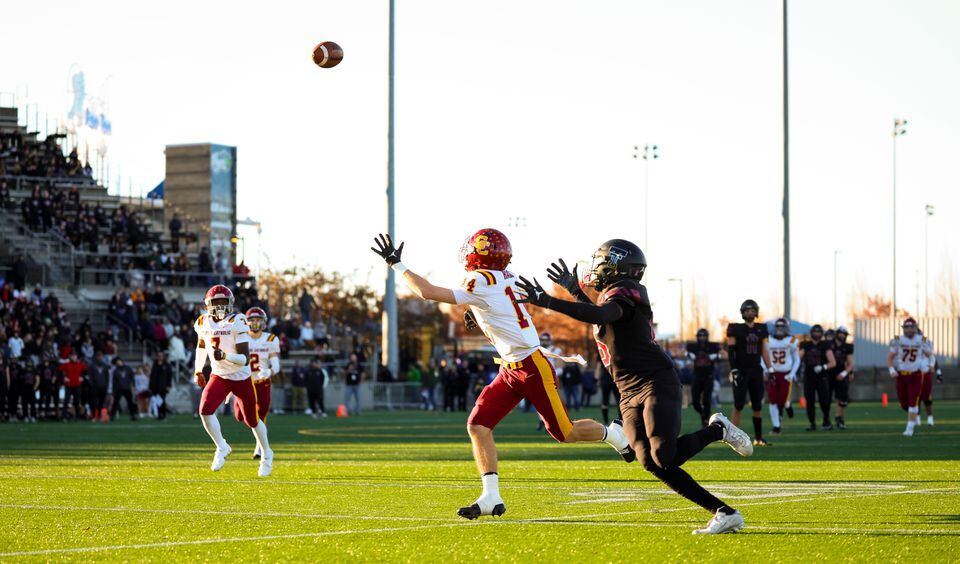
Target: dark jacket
<point>99,374</point>
<point>122,378</point>
<point>161,378</point>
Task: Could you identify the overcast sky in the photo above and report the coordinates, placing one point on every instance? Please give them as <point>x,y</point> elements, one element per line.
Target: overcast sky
<point>531,109</point>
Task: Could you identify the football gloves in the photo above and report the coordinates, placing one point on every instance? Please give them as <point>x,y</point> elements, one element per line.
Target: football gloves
<point>534,293</point>
<point>559,274</point>
<point>386,250</point>
<point>469,321</point>
<point>735,377</point>
<point>939,376</point>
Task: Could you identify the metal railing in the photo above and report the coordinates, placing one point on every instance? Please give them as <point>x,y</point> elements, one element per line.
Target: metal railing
<point>85,276</point>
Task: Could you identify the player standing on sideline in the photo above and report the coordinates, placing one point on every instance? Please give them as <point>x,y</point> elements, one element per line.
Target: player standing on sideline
<point>524,373</point>
<point>926,390</point>
<point>908,361</point>
<point>264,364</point>
<point>784,364</point>
<point>817,357</point>
<point>746,348</point>
<point>842,374</point>
<point>224,338</point>
<point>704,355</point>
<point>650,390</point>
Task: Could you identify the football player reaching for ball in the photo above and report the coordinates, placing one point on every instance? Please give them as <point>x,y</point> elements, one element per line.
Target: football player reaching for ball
<point>264,364</point>
<point>650,391</point>
<point>224,338</point>
<point>525,372</point>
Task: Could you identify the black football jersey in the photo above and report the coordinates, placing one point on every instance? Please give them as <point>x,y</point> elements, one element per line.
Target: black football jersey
<point>814,354</point>
<point>702,365</point>
<point>628,346</point>
<point>840,353</point>
<point>749,343</point>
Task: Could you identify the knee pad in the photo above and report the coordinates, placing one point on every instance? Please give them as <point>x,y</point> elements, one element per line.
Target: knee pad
<point>914,409</point>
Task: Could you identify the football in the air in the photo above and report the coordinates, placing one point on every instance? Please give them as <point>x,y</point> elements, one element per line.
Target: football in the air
<point>327,55</point>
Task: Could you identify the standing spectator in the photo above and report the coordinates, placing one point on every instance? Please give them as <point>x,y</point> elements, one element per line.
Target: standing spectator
<point>15,346</point>
<point>50,382</point>
<point>298,389</point>
<point>448,381</point>
<point>204,262</point>
<point>73,370</point>
<point>176,353</point>
<point>18,273</point>
<point>428,385</point>
<point>588,387</point>
<point>570,378</point>
<point>99,382</point>
<point>352,378</point>
<point>176,226</point>
<point>161,380</point>
<point>307,304</point>
<point>463,386</point>
<point>141,389</point>
<point>4,381</point>
<point>29,384</point>
<point>317,380</point>
<point>122,385</point>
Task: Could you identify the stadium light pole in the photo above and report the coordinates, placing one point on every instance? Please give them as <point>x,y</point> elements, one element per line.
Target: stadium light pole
<point>899,128</point>
<point>926,259</point>
<point>786,175</point>
<point>390,339</point>
<point>835,253</point>
<point>679,281</point>
<point>650,152</point>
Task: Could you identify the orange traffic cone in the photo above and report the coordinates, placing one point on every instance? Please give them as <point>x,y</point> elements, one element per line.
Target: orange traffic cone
<point>104,416</point>
<point>803,402</point>
<point>341,410</point>
<point>884,399</point>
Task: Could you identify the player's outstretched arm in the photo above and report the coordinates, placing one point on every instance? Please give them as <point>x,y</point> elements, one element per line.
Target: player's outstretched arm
<point>420,285</point>
<point>585,312</point>
<point>559,274</point>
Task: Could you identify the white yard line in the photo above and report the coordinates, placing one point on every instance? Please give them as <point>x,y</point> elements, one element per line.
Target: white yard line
<point>224,513</point>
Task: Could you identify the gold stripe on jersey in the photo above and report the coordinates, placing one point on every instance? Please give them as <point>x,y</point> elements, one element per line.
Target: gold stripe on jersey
<point>491,280</point>
<point>200,320</point>
<point>231,318</point>
<point>271,338</point>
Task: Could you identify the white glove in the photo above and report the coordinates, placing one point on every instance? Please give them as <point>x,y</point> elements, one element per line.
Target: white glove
<point>791,377</point>
<point>771,370</point>
<point>893,372</point>
<point>843,374</point>
<point>818,369</point>
<point>714,356</point>
<point>264,374</point>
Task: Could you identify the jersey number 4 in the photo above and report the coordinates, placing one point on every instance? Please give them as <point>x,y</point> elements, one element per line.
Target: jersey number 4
<point>521,317</point>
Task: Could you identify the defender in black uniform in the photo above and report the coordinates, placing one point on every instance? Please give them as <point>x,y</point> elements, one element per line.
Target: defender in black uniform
<point>650,391</point>
<point>704,355</point>
<point>818,360</point>
<point>842,374</point>
<point>746,345</point>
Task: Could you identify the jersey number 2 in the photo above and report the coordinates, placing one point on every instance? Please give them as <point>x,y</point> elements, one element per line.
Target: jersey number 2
<point>255,362</point>
<point>521,318</point>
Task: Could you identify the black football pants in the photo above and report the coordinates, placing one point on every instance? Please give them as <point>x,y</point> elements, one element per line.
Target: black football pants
<point>749,382</point>
<point>814,386</point>
<point>702,393</point>
<point>651,421</point>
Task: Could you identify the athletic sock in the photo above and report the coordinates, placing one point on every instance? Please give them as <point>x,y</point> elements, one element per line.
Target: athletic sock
<point>775,415</point>
<point>212,425</point>
<point>491,484</point>
<point>260,431</point>
<point>910,425</point>
<point>758,427</point>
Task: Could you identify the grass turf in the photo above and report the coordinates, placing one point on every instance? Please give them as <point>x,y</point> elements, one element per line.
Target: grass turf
<point>386,486</point>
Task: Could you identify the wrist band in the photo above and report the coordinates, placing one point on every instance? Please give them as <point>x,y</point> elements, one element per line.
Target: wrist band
<point>399,268</point>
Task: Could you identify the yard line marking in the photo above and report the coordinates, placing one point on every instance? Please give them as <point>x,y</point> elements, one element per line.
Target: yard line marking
<point>228,539</point>
<point>225,513</point>
<point>860,530</point>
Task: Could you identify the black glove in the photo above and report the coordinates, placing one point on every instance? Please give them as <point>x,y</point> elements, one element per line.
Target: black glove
<point>469,321</point>
<point>560,275</point>
<point>534,293</point>
<point>939,376</point>
<point>386,251</point>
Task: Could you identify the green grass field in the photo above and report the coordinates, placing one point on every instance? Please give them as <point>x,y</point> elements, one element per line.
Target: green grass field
<point>386,486</point>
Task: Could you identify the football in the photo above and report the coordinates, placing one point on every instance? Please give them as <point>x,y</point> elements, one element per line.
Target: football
<point>327,54</point>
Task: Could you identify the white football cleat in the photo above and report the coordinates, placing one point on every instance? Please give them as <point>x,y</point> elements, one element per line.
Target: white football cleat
<point>929,420</point>
<point>908,432</point>
<point>220,457</point>
<point>722,523</point>
<point>266,464</point>
<point>733,435</point>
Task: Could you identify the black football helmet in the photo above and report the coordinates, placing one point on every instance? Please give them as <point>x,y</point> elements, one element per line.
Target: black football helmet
<point>747,305</point>
<point>615,260</point>
<point>704,334</point>
<point>816,332</point>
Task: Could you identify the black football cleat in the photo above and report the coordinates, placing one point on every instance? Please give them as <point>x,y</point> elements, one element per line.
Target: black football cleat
<point>790,411</point>
<point>629,455</point>
<point>472,512</point>
<point>828,426</point>
<point>812,427</point>
<point>256,456</point>
<point>776,430</point>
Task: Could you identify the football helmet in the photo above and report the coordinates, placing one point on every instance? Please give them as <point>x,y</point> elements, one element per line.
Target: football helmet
<point>703,335</point>
<point>816,332</point>
<point>615,260</point>
<point>910,327</point>
<point>257,318</point>
<point>746,306</point>
<point>842,333</point>
<point>219,301</point>
<point>546,339</point>
<point>781,328</point>
<point>487,249</point>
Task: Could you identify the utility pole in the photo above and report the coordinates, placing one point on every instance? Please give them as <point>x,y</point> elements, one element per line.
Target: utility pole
<point>786,176</point>
<point>926,260</point>
<point>650,152</point>
<point>390,355</point>
<point>899,128</point>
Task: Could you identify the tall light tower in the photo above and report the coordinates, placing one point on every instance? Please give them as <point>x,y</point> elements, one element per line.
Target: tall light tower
<point>648,154</point>
<point>390,354</point>
<point>926,259</point>
<point>786,176</point>
<point>899,128</point>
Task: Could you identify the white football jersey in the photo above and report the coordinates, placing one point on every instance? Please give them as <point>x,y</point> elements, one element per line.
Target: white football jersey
<point>784,353</point>
<point>261,349</point>
<point>224,335</point>
<point>492,296</point>
<point>931,354</point>
<point>910,354</point>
